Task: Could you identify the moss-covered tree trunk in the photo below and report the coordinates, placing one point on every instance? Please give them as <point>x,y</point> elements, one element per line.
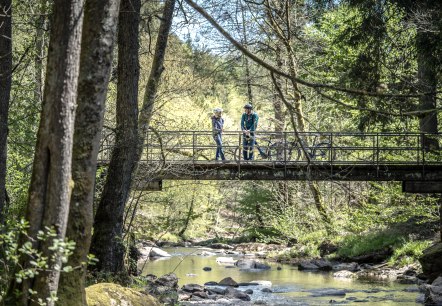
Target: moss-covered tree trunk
<point>95,65</point>
<point>107,242</point>
<point>5,92</point>
<point>49,193</point>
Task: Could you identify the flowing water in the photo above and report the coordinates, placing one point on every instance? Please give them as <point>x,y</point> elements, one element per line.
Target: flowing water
<point>289,286</point>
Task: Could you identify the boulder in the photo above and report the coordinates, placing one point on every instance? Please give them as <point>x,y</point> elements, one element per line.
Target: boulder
<point>201,294</point>
<point>431,261</point>
<point>217,290</point>
<point>351,266</point>
<point>168,280</point>
<point>211,283</point>
<point>156,252</point>
<point>207,253</point>
<point>228,281</point>
<point>433,295</point>
<point>323,265</point>
<point>248,264</point>
<point>104,294</point>
<point>248,291</point>
<point>307,265</point>
<point>165,289</point>
<point>231,292</point>
<point>192,288</point>
<point>225,260</point>
<point>266,290</point>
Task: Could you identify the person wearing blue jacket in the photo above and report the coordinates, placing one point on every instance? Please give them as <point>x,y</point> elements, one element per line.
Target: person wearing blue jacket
<point>217,132</point>
<point>249,123</point>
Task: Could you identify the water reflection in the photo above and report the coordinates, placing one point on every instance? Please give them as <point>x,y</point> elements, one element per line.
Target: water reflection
<point>304,288</point>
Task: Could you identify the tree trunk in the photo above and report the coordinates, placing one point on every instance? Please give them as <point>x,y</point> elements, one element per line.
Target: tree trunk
<point>108,224</point>
<point>427,63</point>
<point>5,91</point>
<point>155,74</point>
<point>49,193</point>
<point>95,65</point>
<point>40,37</point>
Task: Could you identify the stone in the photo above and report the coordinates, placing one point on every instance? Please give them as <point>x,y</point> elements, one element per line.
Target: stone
<point>323,265</point>
<point>200,294</point>
<point>207,269</point>
<point>307,265</point>
<point>217,290</point>
<point>184,297</point>
<point>279,268</point>
<point>433,295</point>
<point>344,274</point>
<point>352,266</point>
<point>157,252</point>
<point>248,291</point>
<point>207,253</point>
<point>225,260</point>
<point>228,281</point>
<point>192,288</point>
<point>437,282</point>
<point>165,289</point>
<point>211,283</point>
<point>112,294</point>
<point>237,294</point>
<point>247,264</point>
<point>266,290</point>
<point>405,279</point>
<point>168,280</point>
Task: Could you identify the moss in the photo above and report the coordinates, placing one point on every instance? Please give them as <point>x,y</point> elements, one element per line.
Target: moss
<point>105,294</point>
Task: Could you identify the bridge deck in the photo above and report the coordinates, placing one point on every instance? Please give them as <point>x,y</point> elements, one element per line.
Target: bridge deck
<point>184,155</point>
<point>297,171</point>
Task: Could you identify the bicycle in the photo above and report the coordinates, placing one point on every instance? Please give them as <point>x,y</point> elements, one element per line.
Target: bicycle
<point>287,151</point>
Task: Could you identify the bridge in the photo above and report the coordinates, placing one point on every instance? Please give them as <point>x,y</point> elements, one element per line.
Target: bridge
<point>413,158</point>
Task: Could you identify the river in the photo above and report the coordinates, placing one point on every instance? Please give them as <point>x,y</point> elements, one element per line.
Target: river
<point>289,285</point>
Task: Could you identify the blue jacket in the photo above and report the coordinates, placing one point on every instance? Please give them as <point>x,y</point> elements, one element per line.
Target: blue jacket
<point>217,124</point>
<point>249,122</point>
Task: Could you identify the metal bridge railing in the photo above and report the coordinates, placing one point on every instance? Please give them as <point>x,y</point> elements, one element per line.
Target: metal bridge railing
<point>291,148</point>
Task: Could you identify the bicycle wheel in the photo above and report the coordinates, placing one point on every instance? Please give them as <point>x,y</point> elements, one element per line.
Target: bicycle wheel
<point>322,152</point>
<point>279,151</point>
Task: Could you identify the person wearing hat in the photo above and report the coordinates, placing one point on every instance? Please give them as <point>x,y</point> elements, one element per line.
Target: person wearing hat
<point>217,132</point>
<point>249,123</point>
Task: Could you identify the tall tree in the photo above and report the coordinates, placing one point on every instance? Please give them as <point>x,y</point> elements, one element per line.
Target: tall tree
<point>107,243</point>
<point>49,193</point>
<point>95,65</point>
<point>5,92</point>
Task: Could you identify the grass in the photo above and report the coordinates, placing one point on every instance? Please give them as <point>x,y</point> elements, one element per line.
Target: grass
<point>408,253</point>
<point>355,245</point>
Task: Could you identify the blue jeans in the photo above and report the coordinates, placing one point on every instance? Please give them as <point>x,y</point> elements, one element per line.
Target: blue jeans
<point>219,146</point>
<point>248,144</point>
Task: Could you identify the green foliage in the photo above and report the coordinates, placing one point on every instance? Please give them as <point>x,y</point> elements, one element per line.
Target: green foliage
<point>12,255</point>
<point>409,252</point>
<point>355,245</point>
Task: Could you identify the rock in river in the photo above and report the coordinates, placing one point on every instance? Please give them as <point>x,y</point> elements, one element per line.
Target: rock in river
<point>248,264</point>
